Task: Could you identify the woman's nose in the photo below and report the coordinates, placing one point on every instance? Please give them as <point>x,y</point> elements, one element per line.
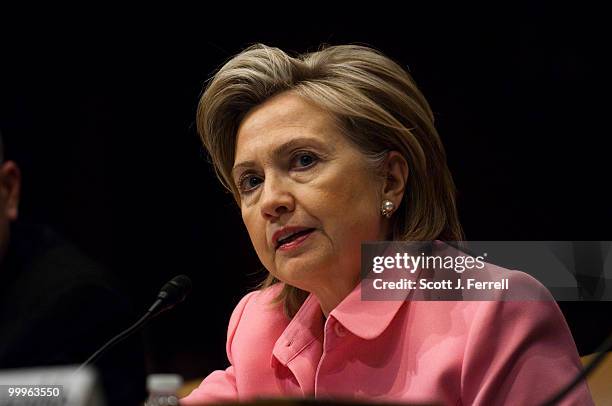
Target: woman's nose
<point>276,198</point>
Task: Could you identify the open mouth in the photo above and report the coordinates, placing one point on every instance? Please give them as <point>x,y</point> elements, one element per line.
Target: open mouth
<point>290,238</point>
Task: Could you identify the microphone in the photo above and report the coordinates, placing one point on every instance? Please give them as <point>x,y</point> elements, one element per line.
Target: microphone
<point>171,294</point>
<point>601,352</point>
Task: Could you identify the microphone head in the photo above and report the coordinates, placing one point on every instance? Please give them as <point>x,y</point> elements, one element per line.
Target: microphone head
<point>175,291</point>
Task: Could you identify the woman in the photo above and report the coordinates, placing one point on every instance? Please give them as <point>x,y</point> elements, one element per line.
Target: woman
<point>325,151</point>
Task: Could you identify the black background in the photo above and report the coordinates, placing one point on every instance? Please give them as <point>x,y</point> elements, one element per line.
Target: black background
<point>98,109</point>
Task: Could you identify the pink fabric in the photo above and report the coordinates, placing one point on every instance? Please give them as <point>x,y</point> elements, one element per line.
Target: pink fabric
<point>453,353</point>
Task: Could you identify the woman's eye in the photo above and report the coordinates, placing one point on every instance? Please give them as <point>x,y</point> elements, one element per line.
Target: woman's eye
<point>249,182</point>
<point>305,159</point>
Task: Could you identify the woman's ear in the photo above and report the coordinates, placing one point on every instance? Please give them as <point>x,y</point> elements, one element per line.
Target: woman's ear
<point>10,188</point>
<point>396,177</point>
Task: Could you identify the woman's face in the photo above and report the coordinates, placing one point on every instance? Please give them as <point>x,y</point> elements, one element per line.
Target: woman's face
<point>294,168</point>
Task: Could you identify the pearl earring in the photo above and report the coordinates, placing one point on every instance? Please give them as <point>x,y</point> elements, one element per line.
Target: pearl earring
<point>387,208</point>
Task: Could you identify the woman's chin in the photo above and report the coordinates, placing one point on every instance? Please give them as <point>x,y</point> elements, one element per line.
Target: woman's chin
<point>301,268</point>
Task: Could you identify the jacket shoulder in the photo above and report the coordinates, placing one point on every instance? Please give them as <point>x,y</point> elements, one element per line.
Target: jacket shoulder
<point>256,319</point>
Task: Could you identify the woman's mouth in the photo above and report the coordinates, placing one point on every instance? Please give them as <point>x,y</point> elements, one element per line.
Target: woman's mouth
<point>294,240</point>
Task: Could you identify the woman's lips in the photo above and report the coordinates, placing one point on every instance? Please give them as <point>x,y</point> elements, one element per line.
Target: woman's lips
<point>295,243</point>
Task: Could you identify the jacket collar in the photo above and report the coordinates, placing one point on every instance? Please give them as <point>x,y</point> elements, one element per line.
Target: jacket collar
<point>366,312</point>
<point>366,319</point>
<point>304,328</point>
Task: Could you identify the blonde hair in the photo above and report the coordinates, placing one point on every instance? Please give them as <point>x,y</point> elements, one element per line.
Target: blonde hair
<point>377,106</point>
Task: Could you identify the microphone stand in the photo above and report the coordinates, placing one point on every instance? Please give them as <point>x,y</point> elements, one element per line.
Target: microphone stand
<point>601,353</point>
<point>172,292</point>
<point>121,336</point>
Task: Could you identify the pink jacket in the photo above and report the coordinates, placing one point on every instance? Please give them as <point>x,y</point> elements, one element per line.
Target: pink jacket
<point>453,353</point>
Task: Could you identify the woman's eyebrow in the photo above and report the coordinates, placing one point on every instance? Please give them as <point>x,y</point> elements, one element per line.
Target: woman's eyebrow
<point>283,149</point>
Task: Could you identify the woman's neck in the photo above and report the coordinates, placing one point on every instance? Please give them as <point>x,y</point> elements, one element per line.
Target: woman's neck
<point>331,295</point>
